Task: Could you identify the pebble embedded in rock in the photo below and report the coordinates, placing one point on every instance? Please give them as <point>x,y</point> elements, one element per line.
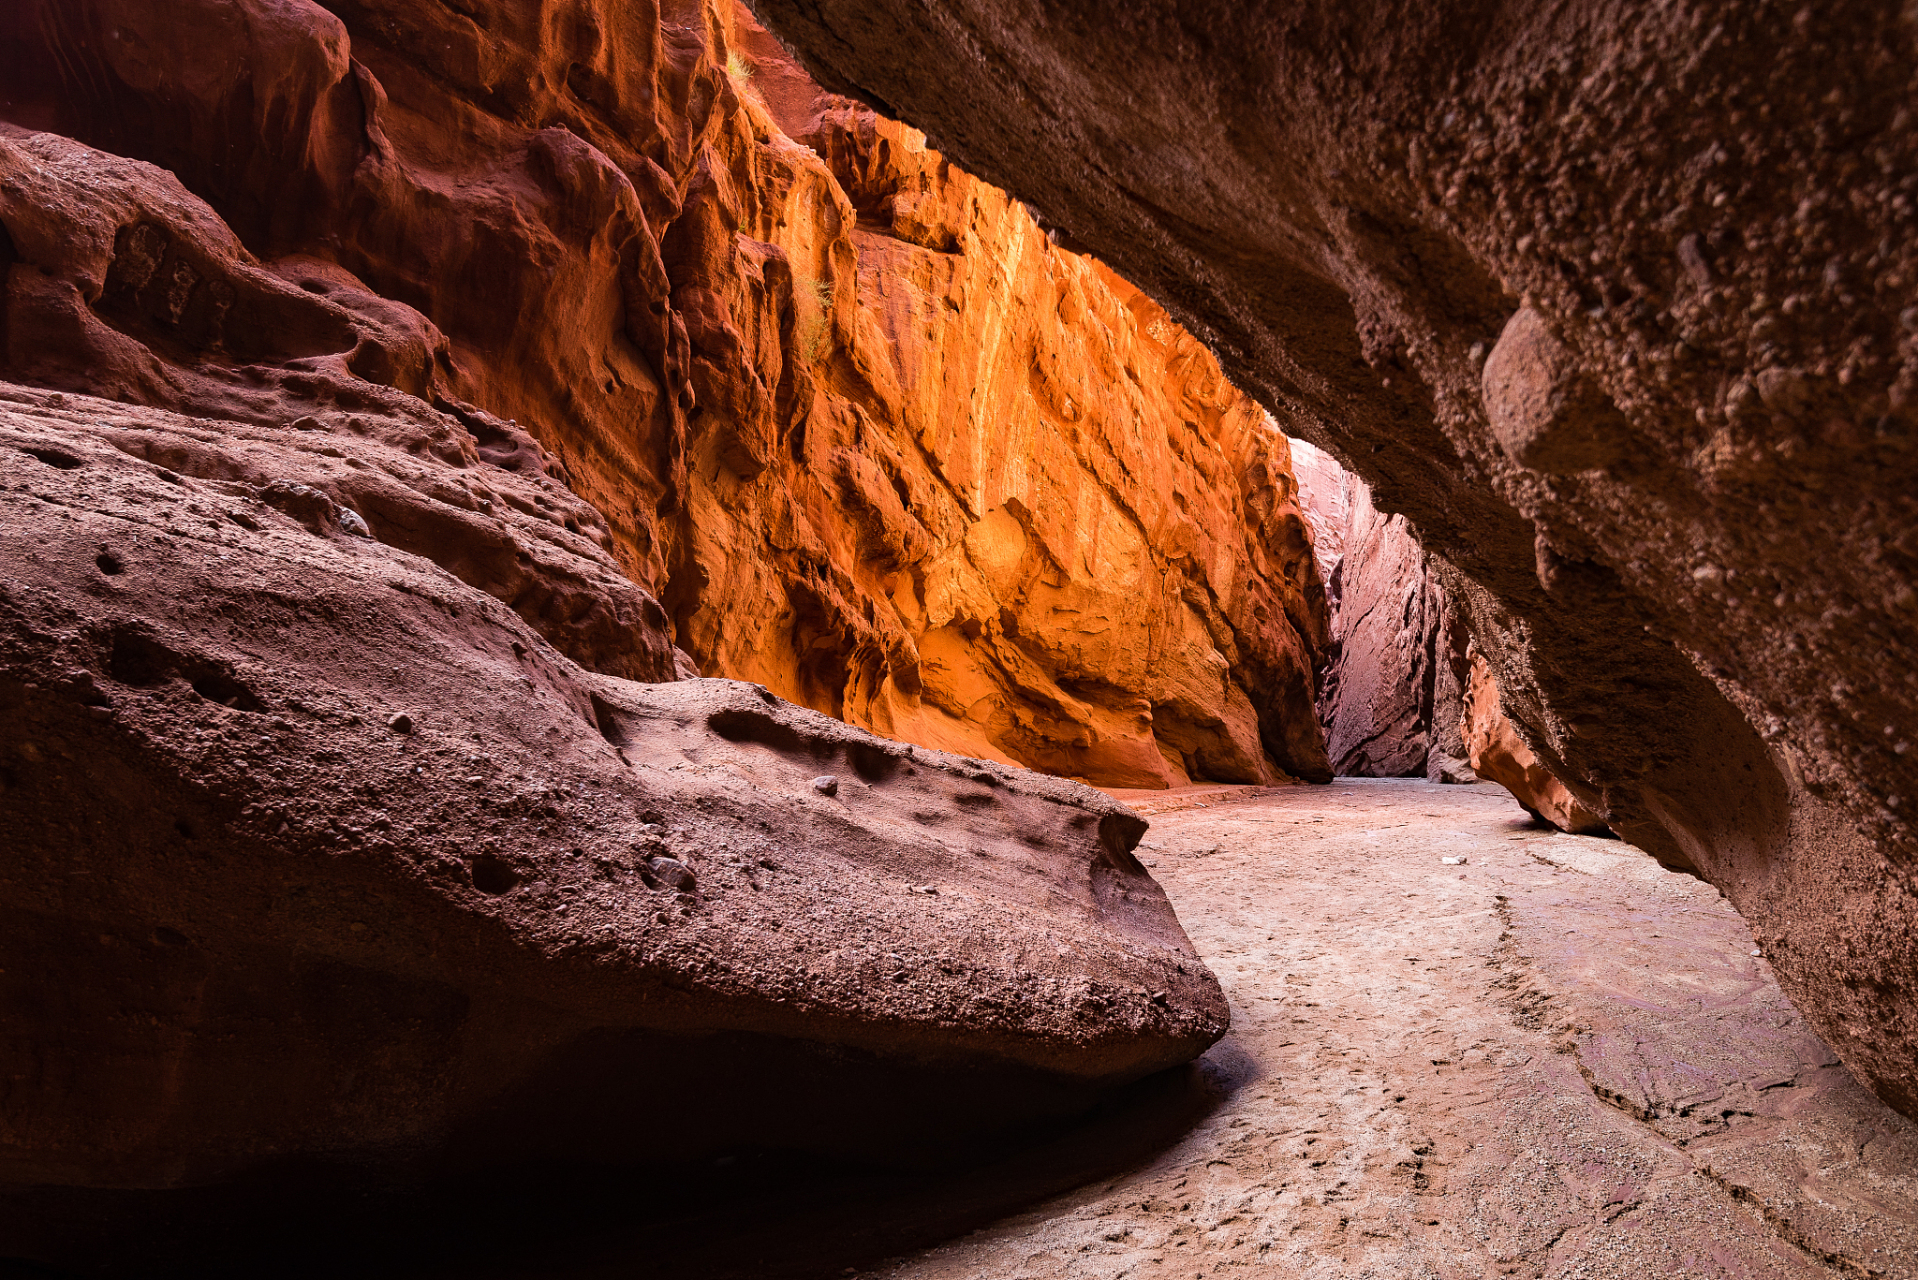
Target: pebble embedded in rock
<point>401,723</point>
<point>826,785</point>
<point>351,522</point>
<point>674,874</point>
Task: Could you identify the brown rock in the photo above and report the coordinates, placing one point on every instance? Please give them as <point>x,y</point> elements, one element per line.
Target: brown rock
<point>1715,632</point>
<point>245,921</point>
<point>1544,412</point>
<point>1498,754</point>
<point>1092,563</point>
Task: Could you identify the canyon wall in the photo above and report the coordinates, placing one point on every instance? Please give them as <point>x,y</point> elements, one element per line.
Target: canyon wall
<point>1615,304</point>
<point>396,402</point>
<point>871,438</point>
<point>1022,514</point>
<point>1393,693</point>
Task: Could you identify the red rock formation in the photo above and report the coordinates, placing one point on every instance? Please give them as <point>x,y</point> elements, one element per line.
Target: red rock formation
<point>1393,689</point>
<point>1018,514</point>
<point>1326,491</point>
<point>1498,754</point>
<point>744,355</point>
<point>1614,306</point>
<point>364,368</point>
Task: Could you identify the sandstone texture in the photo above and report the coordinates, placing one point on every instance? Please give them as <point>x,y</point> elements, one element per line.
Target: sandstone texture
<point>1498,753</point>
<point>1615,305</point>
<point>1557,1060</point>
<point>1393,690</point>
<point>320,856</point>
<point>396,402</point>
<point>1018,513</point>
<point>870,437</point>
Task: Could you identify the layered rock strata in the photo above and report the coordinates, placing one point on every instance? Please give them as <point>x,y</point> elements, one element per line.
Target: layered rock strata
<point>871,438</point>
<point>1615,307</point>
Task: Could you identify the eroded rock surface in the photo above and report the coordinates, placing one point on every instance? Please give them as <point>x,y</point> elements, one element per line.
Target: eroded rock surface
<point>1708,211</point>
<point>1498,754</point>
<point>1393,690</point>
<point>871,437</point>
<point>1558,1059</point>
<point>1018,513</point>
<point>319,853</point>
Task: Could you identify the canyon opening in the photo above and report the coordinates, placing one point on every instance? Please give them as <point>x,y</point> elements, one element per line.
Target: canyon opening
<point>1051,641</point>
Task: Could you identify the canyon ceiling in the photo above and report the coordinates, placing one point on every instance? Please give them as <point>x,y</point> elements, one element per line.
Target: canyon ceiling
<point>1617,303</point>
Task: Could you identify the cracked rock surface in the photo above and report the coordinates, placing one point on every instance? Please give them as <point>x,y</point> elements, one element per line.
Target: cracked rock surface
<point>1557,1060</point>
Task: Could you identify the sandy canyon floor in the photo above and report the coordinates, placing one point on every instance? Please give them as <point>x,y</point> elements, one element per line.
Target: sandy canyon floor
<point>1554,1060</point>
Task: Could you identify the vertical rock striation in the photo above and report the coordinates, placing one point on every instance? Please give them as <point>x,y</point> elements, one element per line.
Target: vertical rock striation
<point>1393,691</point>
<point>1019,514</point>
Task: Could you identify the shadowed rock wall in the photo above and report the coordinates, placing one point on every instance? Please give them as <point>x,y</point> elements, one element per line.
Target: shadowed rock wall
<point>1615,304</point>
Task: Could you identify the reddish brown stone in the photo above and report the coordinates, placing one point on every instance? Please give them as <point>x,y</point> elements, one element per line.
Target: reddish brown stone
<point>1498,754</point>
<point>1691,229</point>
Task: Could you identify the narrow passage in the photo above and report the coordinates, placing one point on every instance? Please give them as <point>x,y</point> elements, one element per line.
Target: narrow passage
<point>1557,1059</point>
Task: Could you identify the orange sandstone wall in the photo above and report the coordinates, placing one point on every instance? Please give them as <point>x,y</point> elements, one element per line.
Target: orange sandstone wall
<point>870,437</point>
<point>1015,511</point>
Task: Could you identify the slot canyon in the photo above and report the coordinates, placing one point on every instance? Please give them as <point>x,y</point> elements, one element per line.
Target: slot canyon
<point>994,639</point>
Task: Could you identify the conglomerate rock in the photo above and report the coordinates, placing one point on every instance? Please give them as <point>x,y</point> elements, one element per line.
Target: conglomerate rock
<point>1614,304</point>
<point>870,437</point>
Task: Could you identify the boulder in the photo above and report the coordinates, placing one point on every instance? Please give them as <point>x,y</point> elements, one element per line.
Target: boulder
<point>361,830</point>
<point>322,857</point>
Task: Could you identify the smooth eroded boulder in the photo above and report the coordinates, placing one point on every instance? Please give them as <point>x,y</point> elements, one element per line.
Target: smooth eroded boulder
<point>320,856</point>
